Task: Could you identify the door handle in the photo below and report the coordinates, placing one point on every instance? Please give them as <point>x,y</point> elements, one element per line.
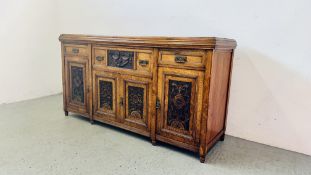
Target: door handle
<point>121,101</point>
<point>158,105</point>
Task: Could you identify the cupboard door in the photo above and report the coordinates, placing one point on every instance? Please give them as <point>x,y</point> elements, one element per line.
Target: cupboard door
<point>76,73</point>
<point>180,96</point>
<point>136,93</point>
<point>105,94</point>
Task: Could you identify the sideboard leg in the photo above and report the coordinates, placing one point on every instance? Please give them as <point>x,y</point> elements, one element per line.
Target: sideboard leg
<point>202,158</point>
<point>66,113</point>
<point>154,142</point>
<point>91,121</point>
<point>222,138</point>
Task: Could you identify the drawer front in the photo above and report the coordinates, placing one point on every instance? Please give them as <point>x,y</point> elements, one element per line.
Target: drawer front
<point>79,50</point>
<point>123,59</point>
<point>144,61</point>
<point>99,57</point>
<point>182,58</point>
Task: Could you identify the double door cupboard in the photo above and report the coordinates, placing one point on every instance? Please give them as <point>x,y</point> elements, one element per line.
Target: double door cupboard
<point>173,90</point>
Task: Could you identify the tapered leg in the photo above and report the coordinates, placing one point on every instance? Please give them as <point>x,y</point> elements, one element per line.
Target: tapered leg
<point>202,158</point>
<point>222,138</point>
<point>154,143</point>
<point>91,121</point>
<point>66,113</point>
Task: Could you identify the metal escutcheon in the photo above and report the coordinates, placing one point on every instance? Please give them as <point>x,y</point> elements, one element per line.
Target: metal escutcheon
<point>180,59</point>
<point>99,58</point>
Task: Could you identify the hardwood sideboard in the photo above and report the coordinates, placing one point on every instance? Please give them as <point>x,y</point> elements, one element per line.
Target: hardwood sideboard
<point>171,89</point>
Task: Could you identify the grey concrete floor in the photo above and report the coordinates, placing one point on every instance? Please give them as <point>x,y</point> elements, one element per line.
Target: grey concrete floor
<point>36,138</point>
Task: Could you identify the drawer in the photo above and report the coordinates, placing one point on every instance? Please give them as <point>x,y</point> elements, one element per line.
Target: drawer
<point>99,56</point>
<point>123,59</point>
<point>182,58</point>
<point>144,61</point>
<point>76,50</point>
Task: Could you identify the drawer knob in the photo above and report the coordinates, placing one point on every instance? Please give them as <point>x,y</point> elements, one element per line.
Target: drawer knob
<point>143,62</point>
<point>99,58</point>
<point>75,50</point>
<point>180,59</point>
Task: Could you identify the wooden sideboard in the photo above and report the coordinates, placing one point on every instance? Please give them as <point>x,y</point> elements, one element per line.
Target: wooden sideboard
<point>171,89</point>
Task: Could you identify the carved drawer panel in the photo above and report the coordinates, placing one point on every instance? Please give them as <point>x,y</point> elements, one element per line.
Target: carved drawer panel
<point>182,58</point>
<point>78,50</point>
<point>123,59</point>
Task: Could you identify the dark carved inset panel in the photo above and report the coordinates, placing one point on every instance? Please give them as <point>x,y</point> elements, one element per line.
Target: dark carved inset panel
<point>121,59</point>
<point>106,95</point>
<point>77,84</point>
<point>135,102</point>
<point>179,97</point>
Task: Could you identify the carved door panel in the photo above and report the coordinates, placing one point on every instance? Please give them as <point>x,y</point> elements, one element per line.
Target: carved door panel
<point>105,94</point>
<point>180,95</point>
<point>77,92</point>
<point>134,100</point>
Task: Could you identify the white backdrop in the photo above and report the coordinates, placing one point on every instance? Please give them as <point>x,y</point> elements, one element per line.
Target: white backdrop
<point>270,98</point>
<point>29,50</point>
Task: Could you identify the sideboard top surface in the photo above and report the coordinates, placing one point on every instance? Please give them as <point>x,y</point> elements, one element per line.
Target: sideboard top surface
<point>153,41</point>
